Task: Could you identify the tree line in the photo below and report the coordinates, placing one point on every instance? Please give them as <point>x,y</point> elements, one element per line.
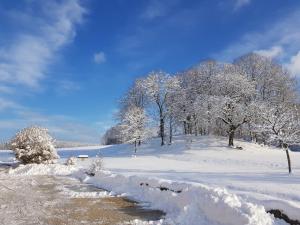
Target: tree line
<point>254,98</point>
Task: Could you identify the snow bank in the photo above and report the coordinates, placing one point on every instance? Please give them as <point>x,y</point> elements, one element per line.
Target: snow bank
<point>43,169</point>
<point>196,204</point>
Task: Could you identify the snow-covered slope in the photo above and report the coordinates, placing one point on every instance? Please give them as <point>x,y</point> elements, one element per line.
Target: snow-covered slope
<point>257,173</point>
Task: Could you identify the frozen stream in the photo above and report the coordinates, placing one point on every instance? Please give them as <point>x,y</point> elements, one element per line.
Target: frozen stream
<point>29,200</point>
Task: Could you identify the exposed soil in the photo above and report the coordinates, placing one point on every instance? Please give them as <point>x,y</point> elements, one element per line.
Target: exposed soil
<point>280,215</point>
<point>44,200</point>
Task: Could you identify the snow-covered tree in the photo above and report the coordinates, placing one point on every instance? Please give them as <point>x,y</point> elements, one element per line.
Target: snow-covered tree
<point>112,136</point>
<point>174,105</point>
<point>272,81</point>
<point>135,97</point>
<point>233,105</point>
<point>213,97</point>
<point>158,87</point>
<point>133,126</point>
<point>197,82</point>
<point>281,124</point>
<point>205,113</point>
<point>34,145</point>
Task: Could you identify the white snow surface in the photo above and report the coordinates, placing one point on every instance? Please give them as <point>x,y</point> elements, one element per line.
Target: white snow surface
<point>196,204</point>
<point>256,173</point>
<point>219,185</point>
<point>43,169</point>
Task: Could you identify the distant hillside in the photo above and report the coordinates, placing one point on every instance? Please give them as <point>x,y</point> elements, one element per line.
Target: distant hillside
<point>3,146</point>
<point>69,144</point>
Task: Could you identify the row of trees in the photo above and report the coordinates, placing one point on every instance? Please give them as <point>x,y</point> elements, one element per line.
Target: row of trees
<point>254,98</point>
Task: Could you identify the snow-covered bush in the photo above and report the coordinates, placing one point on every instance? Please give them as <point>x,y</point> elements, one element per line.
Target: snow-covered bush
<point>34,145</point>
<point>71,161</point>
<point>95,167</point>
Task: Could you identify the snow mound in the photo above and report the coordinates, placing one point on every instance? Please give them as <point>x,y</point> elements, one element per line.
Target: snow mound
<point>195,204</point>
<point>43,169</point>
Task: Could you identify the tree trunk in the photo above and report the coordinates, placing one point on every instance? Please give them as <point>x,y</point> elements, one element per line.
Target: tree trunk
<point>191,128</point>
<point>171,131</point>
<point>196,129</point>
<point>184,127</point>
<point>209,119</point>
<point>231,136</point>
<point>189,125</point>
<point>288,159</point>
<point>134,146</point>
<point>162,130</point>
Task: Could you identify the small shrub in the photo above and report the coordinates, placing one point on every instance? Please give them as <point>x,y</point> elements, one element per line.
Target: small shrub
<point>34,145</point>
<point>95,167</point>
<point>71,161</point>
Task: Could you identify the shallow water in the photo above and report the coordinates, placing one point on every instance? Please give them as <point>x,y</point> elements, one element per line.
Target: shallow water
<point>46,200</point>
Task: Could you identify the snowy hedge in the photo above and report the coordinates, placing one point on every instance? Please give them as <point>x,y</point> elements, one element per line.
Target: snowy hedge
<point>34,145</point>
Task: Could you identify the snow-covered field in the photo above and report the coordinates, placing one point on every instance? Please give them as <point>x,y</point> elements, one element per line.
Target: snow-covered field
<point>217,184</point>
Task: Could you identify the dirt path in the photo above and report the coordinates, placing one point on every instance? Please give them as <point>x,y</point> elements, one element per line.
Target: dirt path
<point>29,200</point>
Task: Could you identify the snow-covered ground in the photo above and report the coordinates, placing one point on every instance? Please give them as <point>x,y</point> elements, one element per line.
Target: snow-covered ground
<point>218,185</point>
<point>256,173</point>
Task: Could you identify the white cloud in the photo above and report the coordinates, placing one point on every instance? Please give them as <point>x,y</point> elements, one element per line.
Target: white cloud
<point>284,32</point>
<point>26,59</point>
<point>38,33</point>
<point>294,64</point>
<point>241,3</point>
<point>99,57</point>
<point>273,52</point>
<point>6,89</point>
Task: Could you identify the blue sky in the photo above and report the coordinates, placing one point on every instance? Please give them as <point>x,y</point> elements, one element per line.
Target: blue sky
<point>65,63</point>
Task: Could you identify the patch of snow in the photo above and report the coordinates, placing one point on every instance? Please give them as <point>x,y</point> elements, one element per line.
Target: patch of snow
<point>87,194</point>
<point>43,169</point>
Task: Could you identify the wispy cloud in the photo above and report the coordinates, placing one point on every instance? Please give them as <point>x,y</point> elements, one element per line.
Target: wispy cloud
<point>6,89</point>
<point>280,39</point>
<point>241,3</point>
<point>294,64</point>
<point>6,104</point>
<point>157,21</point>
<point>67,86</point>
<point>154,9</point>
<point>99,57</point>
<point>26,59</point>
<point>38,33</point>
<point>61,127</point>
<point>273,52</point>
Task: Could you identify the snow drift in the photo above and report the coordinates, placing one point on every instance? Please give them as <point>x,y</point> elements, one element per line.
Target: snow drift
<point>196,204</point>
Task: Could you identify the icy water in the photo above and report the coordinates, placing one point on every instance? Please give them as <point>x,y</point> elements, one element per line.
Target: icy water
<point>63,201</point>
